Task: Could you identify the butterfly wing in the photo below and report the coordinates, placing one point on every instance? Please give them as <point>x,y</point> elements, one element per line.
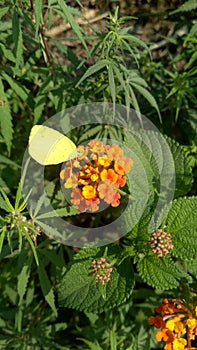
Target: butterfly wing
<point>48,146</point>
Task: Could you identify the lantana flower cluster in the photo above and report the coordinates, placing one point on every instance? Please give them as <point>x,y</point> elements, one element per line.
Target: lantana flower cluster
<point>160,243</point>
<point>96,175</point>
<point>177,324</point>
<point>101,270</point>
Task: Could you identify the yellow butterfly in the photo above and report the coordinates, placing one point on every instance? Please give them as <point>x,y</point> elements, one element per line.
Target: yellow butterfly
<point>48,146</point>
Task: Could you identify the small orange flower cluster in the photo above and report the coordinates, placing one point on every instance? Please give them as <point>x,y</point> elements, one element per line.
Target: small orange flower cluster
<point>96,175</point>
<point>178,324</point>
<point>101,270</point>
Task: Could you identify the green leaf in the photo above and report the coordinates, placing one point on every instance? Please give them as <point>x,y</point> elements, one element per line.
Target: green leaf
<point>91,133</point>
<point>148,96</point>
<point>65,212</point>
<point>7,161</point>
<point>3,204</point>
<point>143,339</point>
<point>183,170</point>
<point>193,58</point>
<point>187,6</point>
<point>159,272</point>
<point>192,33</point>
<point>17,39</point>
<point>55,213</point>
<point>57,258</point>
<point>181,223</point>
<point>91,53</point>
<point>67,14</point>
<point>38,6</point>
<point>2,236</point>
<point>91,345</point>
<point>7,201</point>
<point>133,99</point>
<point>47,288</point>
<point>22,92</point>
<point>67,52</point>
<point>20,203</point>
<point>24,264</point>
<point>112,83</point>
<point>134,40</point>
<point>137,79</point>
<point>6,118</point>
<point>86,253</point>
<point>130,98</point>
<point>23,231</point>
<point>151,175</point>
<point>192,267</point>
<point>79,290</point>
<point>93,69</point>
<point>7,53</point>
<point>40,102</point>
<point>3,11</point>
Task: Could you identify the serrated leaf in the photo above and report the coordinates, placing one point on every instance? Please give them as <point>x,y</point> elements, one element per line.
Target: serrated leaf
<point>34,213</point>
<point>137,79</point>
<point>56,258</point>
<point>181,223</point>
<point>159,272</point>
<point>7,53</point>
<point>183,171</point>
<point>50,231</point>
<point>112,83</point>
<point>140,231</point>
<point>67,14</point>
<point>148,96</point>
<point>47,288</point>
<point>5,118</point>
<point>3,11</point>
<point>192,267</point>
<point>38,6</point>
<point>192,32</point>
<point>58,212</point>
<point>3,204</point>
<point>79,290</point>
<point>2,236</point>
<point>91,345</point>
<point>7,201</point>
<point>130,98</point>
<point>151,175</point>
<point>86,253</point>
<point>134,40</point>
<point>90,134</point>
<point>92,70</point>
<point>193,58</point>
<point>23,232</point>
<point>24,263</point>
<point>30,293</point>
<point>40,102</point>
<point>67,52</point>
<point>133,99</point>
<point>119,76</point>
<point>187,6</point>
<point>17,38</point>
<point>7,161</point>
<point>19,89</point>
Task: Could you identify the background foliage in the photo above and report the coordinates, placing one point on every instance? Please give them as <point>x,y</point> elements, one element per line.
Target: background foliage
<point>48,300</point>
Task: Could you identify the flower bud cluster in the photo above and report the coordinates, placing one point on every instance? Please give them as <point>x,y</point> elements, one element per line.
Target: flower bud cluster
<point>160,243</point>
<point>101,270</point>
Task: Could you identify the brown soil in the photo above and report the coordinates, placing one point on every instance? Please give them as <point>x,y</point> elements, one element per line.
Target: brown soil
<point>150,26</point>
